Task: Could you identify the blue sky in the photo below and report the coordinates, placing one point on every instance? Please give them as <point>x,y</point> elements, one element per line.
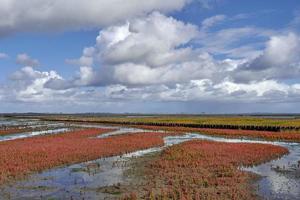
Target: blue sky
<point>267,13</point>
<point>177,56</point>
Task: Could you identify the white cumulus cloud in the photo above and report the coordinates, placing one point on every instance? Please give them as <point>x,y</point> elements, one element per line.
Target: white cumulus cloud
<point>279,60</point>
<point>62,15</point>
<point>160,58</point>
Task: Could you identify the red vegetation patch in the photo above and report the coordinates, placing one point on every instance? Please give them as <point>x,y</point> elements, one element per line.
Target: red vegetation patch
<point>232,133</point>
<point>23,156</point>
<point>204,170</point>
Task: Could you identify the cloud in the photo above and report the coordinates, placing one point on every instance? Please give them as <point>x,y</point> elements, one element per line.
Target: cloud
<point>208,4</point>
<point>279,60</point>
<point>3,55</point>
<point>233,42</point>
<point>26,60</point>
<point>280,50</point>
<point>150,40</point>
<point>223,35</point>
<point>207,90</point>
<point>155,58</point>
<point>147,50</point>
<point>85,60</point>
<point>157,49</point>
<point>28,85</point>
<point>63,15</point>
<point>211,21</point>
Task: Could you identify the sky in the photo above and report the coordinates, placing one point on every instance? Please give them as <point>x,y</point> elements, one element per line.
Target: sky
<point>150,56</point>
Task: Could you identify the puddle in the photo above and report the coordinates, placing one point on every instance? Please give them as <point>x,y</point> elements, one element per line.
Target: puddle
<point>281,178</point>
<point>76,181</point>
<point>121,131</point>
<point>32,134</point>
<point>17,122</point>
<point>44,124</point>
